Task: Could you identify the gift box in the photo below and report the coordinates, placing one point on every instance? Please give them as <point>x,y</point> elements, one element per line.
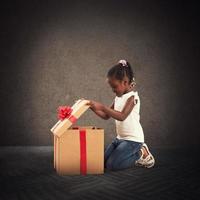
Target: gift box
<point>78,149</point>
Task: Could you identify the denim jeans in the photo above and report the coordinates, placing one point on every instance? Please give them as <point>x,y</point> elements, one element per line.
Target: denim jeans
<point>121,154</point>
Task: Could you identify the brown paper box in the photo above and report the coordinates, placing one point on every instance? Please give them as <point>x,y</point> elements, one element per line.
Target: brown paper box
<point>67,151</point>
<point>67,145</point>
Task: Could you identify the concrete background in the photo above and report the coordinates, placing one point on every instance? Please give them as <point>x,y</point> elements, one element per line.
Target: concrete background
<point>54,52</point>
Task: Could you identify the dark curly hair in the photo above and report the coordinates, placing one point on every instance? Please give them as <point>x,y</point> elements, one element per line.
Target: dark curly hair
<point>120,70</point>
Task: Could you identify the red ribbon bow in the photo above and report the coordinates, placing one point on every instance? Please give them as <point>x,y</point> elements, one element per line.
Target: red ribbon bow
<point>64,112</point>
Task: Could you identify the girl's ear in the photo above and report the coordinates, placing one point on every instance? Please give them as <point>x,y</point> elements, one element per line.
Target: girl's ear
<point>125,82</point>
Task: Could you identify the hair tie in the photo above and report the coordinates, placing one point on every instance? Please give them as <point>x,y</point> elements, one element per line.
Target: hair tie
<point>123,62</point>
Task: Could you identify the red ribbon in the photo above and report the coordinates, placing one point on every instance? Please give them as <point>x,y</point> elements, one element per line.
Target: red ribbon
<point>83,153</point>
<point>65,112</point>
<point>73,119</point>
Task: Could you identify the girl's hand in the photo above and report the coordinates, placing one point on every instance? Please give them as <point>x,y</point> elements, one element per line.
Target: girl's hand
<point>95,105</point>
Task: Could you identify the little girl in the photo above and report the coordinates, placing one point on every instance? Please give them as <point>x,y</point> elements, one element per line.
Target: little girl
<point>128,148</point>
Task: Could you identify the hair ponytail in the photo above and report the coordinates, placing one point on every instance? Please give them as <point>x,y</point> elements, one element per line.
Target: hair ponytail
<point>130,74</point>
<point>121,69</point>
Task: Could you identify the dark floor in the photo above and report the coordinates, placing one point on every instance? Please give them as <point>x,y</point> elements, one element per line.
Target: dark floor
<point>28,173</point>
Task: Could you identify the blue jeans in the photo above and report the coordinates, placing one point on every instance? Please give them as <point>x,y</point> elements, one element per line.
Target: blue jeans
<point>121,154</point>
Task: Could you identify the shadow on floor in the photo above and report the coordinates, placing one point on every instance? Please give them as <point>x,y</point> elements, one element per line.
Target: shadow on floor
<point>27,173</point>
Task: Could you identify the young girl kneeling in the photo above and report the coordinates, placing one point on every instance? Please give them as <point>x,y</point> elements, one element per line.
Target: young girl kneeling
<point>128,148</point>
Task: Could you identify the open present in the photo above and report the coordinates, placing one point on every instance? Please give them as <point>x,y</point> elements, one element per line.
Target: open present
<point>78,149</point>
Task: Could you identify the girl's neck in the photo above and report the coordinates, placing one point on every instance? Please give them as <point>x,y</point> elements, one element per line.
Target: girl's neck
<point>129,90</point>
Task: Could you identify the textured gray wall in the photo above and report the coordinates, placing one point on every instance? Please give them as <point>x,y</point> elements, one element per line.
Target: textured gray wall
<point>56,52</point>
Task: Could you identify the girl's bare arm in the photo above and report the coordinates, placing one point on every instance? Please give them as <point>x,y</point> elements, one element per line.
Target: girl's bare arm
<point>101,113</point>
<point>124,113</point>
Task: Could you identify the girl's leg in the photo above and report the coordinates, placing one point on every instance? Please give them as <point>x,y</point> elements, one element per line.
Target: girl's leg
<point>109,149</point>
<point>124,155</point>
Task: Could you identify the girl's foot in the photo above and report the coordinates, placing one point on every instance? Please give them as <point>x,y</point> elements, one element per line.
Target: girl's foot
<point>146,159</point>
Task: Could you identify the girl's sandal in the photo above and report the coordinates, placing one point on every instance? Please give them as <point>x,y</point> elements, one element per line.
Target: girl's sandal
<point>148,161</point>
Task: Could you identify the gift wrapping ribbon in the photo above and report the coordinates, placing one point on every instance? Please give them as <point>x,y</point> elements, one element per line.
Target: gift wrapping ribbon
<point>83,153</point>
<point>83,150</point>
<point>65,112</point>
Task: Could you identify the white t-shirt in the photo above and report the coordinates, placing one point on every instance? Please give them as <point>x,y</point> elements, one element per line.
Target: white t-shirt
<point>130,128</point>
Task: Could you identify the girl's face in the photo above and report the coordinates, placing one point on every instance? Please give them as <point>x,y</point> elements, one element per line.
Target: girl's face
<point>119,87</point>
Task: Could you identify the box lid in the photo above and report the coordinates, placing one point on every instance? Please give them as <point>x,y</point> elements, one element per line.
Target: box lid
<point>78,109</point>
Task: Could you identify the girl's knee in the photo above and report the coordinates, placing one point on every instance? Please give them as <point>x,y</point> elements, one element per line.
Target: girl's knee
<point>108,164</point>
<point>112,165</point>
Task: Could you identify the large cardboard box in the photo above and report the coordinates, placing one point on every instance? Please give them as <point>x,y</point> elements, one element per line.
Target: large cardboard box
<point>78,149</point>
